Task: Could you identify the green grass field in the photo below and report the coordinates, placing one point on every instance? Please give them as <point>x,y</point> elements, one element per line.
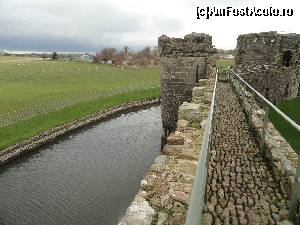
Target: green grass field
<point>222,64</point>
<point>290,108</point>
<point>15,59</point>
<point>23,83</point>
<point>27,82</point>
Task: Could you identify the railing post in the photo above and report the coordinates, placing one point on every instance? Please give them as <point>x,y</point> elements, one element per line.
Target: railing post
<point>228,75</point>
<point>263,132</point>
<point>245,96</point>
<point>243,89</point>
<point>296,194</point>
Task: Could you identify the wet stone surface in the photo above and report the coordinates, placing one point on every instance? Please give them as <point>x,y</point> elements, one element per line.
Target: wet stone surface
<point>240,187</point>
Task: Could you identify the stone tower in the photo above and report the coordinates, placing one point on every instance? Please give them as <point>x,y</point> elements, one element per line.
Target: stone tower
<point>270,62</point>
<point>183,63</point>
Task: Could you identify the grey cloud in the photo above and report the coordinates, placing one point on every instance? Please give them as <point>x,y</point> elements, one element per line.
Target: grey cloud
<point>44,45</point>
<point>72,26</point>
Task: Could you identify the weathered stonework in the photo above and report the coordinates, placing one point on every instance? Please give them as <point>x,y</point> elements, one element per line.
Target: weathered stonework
<point>270,62</point>
<point>168,185</point>
<point>183,63</point>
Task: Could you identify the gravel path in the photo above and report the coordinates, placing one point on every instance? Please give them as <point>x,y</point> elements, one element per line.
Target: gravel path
<point>240,188</point>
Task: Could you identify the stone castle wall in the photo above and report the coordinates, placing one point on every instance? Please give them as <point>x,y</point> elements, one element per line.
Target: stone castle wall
<point>270,62</point>
<point>183,63</point>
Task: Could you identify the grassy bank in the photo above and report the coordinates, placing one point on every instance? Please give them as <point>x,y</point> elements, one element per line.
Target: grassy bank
<point>31,88</point>
<point>20,131</point>
<point>26,82</point>
<point>290,108</point>
<point>222,64</point>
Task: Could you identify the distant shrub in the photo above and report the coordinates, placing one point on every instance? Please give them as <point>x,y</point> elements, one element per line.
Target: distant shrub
<point>54,56</point>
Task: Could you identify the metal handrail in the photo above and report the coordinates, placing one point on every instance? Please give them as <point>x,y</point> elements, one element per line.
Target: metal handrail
<point>296,187</point>
<point>195,209</point>
<point>288,119</point>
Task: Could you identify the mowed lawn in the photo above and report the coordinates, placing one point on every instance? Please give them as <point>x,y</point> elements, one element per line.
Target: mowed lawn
<point>292,109</point>
<point>26,82</point>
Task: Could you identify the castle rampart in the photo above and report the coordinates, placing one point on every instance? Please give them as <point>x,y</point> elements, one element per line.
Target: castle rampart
<point>270,62</point>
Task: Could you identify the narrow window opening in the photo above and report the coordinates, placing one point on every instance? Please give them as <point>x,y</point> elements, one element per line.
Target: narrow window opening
<point>197,74</point>
<point>287,57</point>
<point>286,91</point>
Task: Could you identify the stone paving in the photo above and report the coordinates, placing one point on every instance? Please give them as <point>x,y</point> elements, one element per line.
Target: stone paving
<point>240,188</point>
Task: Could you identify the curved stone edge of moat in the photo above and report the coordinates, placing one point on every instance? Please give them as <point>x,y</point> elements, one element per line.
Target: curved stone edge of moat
<point>16,151</point>
<point>165,191</point>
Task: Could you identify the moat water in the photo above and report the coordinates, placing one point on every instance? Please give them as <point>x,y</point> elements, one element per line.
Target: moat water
<point>89,177</point>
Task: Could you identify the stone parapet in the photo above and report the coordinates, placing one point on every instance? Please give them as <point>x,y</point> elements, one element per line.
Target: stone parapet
<point>192,45</point>
<point>266,48</point>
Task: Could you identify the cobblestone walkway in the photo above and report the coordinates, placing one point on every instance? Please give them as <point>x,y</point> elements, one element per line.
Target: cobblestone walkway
<point>240,188</point>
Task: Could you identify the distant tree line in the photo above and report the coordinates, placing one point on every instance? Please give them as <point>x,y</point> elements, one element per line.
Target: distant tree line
<point>124,57</point>
<point>226,52</point>
<point>222,53</point>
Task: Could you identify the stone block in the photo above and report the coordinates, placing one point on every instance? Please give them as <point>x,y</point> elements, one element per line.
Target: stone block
<point>203,82</point>
<point>176,138</point>
<point>182,123</point>
<point>203,123</point>
<point>198,92</point>
<point>162,218</point>
<point>159,163</point>
<point>138,213</point>
<point>180,196</point>
<point>173,150</point>
<point>190,112</point>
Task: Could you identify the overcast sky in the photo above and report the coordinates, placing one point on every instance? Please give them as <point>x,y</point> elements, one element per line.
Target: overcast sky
<point>69,25</point>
